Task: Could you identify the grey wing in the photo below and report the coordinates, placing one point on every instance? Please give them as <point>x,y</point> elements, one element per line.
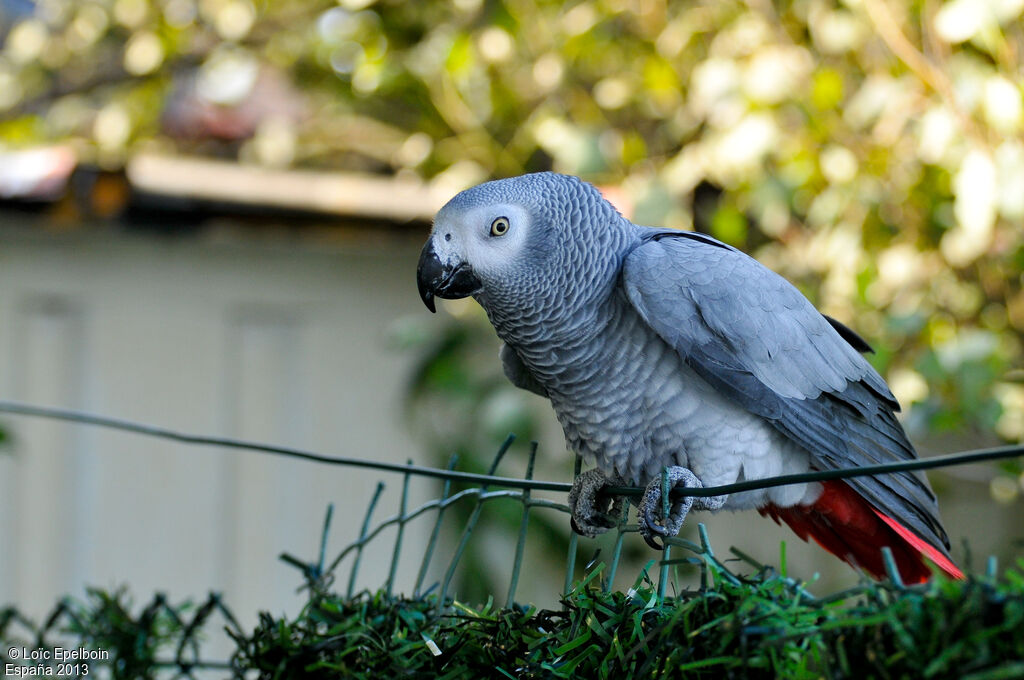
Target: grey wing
<point>517,372</point>
<point>755,338</point>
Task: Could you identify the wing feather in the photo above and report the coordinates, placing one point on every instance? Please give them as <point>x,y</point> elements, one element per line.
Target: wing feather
<point>755,338</point>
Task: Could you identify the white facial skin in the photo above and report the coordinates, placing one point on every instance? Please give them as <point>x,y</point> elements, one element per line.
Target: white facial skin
<point>473,235</point>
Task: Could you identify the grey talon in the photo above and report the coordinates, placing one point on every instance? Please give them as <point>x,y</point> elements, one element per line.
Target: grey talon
<point>593,512</point>
<point>651,507</point>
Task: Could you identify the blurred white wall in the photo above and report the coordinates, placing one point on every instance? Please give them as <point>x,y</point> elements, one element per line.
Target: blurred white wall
<point>283,344</point>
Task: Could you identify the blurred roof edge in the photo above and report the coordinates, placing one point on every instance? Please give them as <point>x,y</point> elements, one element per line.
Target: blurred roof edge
<point>45,175</point>
<point>328,193</point>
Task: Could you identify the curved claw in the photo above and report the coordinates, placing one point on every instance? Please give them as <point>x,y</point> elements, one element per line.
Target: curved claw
<point>652,523</point>
<point>651,529</point>
<point>651,541</point>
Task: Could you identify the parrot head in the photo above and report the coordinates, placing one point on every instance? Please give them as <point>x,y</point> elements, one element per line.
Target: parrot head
<point>516,243</point>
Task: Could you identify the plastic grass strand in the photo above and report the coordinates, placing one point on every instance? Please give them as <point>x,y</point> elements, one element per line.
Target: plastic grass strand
<point>663,572</point>
<point>617,551</point>
<point>517,560</point>
<point>470,525</point>
<point>362,535</point>
<point>570,560</point>
<point>323,540</point>
<point>428,554</point>
<point>709,556</point>
<point>891,569</point>
<point>402,504</point>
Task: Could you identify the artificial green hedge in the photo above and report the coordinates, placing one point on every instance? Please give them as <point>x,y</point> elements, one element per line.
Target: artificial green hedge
<point>758,626</point>
<point>765,626</point>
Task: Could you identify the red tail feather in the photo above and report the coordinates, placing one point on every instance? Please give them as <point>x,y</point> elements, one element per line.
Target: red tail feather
<point>846,525</point>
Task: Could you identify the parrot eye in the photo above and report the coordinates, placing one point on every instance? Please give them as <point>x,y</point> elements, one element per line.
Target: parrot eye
<point>499,227</point>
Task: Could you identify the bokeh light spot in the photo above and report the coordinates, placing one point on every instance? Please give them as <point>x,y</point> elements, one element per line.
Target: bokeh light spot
<point>143,53</point>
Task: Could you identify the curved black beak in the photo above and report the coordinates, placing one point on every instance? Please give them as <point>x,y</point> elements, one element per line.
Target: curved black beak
<point>435,279</point>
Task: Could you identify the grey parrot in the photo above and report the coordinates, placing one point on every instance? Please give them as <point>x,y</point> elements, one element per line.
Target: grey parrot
<point>669,350</point>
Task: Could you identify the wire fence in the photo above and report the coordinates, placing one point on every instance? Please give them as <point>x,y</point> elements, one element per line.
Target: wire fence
<point>322,574</point>
<point>491,480</point>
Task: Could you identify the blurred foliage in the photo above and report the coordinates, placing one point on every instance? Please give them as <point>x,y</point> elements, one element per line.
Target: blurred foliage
<point>869,150</point>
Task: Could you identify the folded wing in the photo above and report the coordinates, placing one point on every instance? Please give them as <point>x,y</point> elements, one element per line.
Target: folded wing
<point>756,339</point>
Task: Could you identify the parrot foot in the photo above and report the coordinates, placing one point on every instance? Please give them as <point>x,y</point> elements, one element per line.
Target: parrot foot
<point>593,512</point>
<point>652,523</point>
